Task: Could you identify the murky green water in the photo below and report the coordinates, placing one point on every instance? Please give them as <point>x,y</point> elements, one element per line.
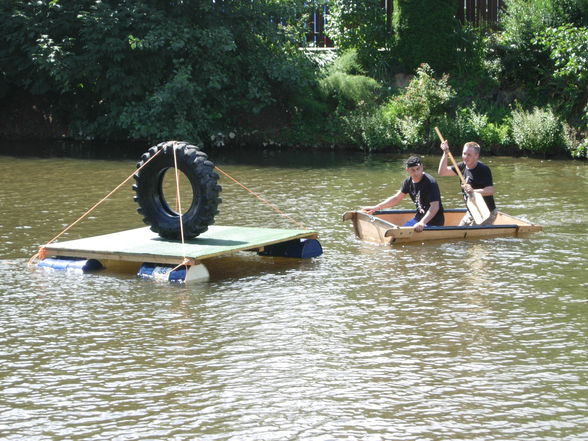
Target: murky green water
<point>472,340</point>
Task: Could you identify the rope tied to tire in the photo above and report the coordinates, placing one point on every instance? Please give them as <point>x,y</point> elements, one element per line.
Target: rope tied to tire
<point>42,251</point>
<point>185,262</point>
<point>273,206</point>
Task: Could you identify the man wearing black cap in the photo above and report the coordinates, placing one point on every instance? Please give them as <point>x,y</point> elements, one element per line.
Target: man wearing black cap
<point>424,192</point>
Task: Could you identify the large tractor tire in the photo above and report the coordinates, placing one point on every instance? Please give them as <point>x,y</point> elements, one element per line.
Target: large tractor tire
<point>153,205</point>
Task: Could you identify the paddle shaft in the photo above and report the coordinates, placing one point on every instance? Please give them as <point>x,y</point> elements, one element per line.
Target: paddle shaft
<point>457,170</point>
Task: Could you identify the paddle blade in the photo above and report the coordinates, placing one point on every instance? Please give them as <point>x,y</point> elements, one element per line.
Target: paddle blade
<point>477,207</point>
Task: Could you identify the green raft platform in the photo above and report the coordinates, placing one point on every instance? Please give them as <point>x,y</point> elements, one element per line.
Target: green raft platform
<point>159,257</point>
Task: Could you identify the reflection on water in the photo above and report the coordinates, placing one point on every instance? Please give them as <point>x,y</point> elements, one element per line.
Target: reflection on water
<point>483,339</point>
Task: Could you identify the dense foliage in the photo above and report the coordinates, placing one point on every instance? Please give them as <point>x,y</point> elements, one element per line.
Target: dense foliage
<point>520,88</point>
<point>358,24</point>
<point>149,69</point>
<point>218,71</point>
<point>425,32</point>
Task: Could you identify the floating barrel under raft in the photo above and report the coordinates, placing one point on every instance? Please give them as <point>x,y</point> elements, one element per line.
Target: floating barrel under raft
<point>73,264</point>
<point>152,271</point>
<point>297,248</point>
<point>163,259</point>
<point>174,273</point>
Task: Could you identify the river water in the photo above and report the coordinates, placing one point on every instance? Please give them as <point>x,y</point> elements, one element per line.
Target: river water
<point>470,340</point>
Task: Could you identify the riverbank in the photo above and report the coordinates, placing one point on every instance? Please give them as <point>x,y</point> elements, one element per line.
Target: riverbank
<point>32,126</point>
<point>233,153</point>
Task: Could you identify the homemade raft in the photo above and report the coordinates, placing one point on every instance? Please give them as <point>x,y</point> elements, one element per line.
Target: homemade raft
<point>384,227</point>
<point>175,245</point>
<point>151,256</point>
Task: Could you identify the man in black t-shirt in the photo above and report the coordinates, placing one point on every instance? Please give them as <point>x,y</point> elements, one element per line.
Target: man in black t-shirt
<point>423,191</point>
<point>477,176</point>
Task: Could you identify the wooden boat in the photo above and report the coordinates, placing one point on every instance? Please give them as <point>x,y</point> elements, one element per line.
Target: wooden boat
<point>384,227</point>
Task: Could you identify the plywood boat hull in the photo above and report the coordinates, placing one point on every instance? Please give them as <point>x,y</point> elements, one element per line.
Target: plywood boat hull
<point>384,227</point>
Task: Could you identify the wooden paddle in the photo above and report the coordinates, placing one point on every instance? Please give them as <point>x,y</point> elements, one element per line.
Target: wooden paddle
<point>474,201</point>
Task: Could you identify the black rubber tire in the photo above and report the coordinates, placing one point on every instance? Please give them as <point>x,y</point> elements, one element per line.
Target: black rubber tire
<point>149,194</point>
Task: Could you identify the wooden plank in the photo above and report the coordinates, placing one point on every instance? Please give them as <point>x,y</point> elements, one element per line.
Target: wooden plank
<point>460,11</point>
<point>471,10</point>
<point>492,11</point>
<point>142,245</point>
<point>389,7</point>
<point>481,15</point>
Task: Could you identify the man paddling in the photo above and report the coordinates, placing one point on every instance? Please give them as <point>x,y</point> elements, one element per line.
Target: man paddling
<point>424,192</point>
<point>477,175</point>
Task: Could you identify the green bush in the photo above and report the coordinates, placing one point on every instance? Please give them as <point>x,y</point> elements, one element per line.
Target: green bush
<point>358,24</point>
<point>344,87</point>
<point>521,22</point>
<point>572,11</point>
<point>368,130</point>
<point>575,143</point>
<point>581,150</point>
<point>471,125</point>
<point>479,68</point>
<point>416,110</point>
<point>349,91</point>
<point>568,46</point>
<point>539,131</point>
<point>347,62</point>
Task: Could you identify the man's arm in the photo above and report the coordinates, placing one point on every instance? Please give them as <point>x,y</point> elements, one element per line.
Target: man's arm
<point>444,170</point>
<point>486,191</point>
<point>390,202</point>
<point>430,214</point>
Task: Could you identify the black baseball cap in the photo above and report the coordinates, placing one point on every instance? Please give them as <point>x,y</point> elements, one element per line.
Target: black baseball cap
<point>413,161</point>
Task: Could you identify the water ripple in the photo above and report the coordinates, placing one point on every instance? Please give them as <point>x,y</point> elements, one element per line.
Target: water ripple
<point>478,340</point>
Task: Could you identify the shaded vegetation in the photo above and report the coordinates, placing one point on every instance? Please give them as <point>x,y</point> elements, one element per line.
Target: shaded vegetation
<point>220,72</point>
<point>151,69</point>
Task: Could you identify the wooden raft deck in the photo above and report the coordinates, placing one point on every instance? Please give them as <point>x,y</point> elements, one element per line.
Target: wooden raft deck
<point>143,245</point>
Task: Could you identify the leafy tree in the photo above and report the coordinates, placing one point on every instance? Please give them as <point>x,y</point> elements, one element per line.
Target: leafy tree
<point>568,50</point>
<point>425,32</point>
<point>521,22</point>
<point>359,25</point>
<point>152,69</point>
